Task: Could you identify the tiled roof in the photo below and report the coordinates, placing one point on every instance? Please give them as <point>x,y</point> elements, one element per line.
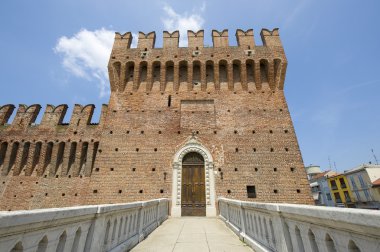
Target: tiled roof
<point>319,175</point>
<point>376,183</point>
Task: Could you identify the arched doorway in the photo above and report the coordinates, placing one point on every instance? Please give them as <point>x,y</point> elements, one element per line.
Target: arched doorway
<point>193,198</point>
<point>192,145</point>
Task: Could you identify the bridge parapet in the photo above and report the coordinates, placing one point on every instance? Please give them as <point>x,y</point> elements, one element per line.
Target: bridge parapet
<point>116,227</point>
<point>290,227</point>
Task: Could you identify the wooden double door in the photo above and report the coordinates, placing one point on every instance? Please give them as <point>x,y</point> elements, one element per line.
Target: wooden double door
<point>193,198</point>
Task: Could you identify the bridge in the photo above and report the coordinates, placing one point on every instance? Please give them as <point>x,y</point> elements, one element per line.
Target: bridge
<point>146,226</point>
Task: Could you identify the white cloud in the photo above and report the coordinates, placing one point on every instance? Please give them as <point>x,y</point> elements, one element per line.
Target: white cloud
<point>183,22</point>
<point>86,55</point>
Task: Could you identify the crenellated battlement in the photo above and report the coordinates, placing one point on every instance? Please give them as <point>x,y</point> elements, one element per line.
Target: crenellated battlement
<point>172,68</point>
<point>196,39</point>
<point>52,116</point>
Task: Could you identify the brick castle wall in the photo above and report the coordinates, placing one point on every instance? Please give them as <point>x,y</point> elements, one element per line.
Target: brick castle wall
<point>230,98</point>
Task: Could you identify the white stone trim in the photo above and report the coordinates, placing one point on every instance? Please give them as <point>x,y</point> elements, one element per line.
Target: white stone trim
<point>192,145</point>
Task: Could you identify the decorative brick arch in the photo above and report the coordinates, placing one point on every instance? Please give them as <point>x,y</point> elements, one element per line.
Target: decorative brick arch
<point>193,145</point>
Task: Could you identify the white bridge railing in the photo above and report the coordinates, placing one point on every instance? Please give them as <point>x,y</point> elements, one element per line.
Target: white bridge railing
<point>290,227</point>
<point>113,227</point>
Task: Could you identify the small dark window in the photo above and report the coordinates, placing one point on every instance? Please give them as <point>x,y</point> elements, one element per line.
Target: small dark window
<point>292,169</point>
<point>76,194</point>
<point>215,132</point>
<point>228,191</point>
<point>275,169</point>
<point>127,131</point>
<point>256,169</point>
<point>253,132</point>
<point>69,176</point>
<point>56,176</point>
<point>286,131</point>
<point>120,191</point>
<point>275,191</point>
<point>116,149</point>
<point>97,169</point>
<point>236,169</point>
<point>142,132</point>
<point>137,149</point>
<point>169,100</point>
<point>111,169</point>
<point>155,149</point>
<point>298,191</point>
<point>95,191</point>
<point>271,149</point>
<point>63,194</point>
<point>254,149</point>
<point>141,191</point>
<point>271,131</point>
<point>235,132</point>
<point>161,191</point>
<point>236,149</point>
<point>111,132</point>
<point>133,169</point>
<point>153,169</point>
<point>75,132</point>
<point>286,149</point>
<point>219,169</point>
<point>159,132</point>
<point>179,132</point>
<point>251,191</point>
<point>46,194</point>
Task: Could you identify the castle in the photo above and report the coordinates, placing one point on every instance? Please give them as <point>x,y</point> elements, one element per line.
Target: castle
<point>190,124</point>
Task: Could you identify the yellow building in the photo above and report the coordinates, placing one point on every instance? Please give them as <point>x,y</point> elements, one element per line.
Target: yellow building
<point>340,191</point>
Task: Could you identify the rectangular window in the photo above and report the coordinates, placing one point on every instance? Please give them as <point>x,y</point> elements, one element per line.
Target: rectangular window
<point>367,194</point>
<point>357,195</point>
<point>362,184</point>
<point>347,196</point>
<point>353,182</point>
<point>333,184</point>
<point>342,183</point>
<point>251,191</point>
<point>328,196</point>
<point>337,198</point>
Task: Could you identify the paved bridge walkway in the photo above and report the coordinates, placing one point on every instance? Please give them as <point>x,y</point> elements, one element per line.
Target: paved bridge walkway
<point>192,234</point>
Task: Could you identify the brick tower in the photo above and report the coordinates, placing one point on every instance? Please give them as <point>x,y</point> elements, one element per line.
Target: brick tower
<point>191,124</point>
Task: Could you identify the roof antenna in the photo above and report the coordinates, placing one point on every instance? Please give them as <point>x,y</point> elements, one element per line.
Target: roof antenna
<point>335,167</point>
<point>373,153</point>
<point>329,163</point>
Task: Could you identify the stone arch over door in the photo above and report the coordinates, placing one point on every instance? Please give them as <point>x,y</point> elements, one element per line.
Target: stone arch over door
<point>193,145</point>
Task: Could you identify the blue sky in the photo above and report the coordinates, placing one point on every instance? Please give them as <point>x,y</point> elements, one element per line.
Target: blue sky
<point>54,52</point>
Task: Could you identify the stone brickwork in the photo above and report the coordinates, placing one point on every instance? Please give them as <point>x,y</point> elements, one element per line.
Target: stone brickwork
<point>230,100</point>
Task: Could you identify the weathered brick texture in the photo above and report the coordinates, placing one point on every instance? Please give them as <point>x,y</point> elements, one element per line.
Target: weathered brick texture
<point>231,98</point>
